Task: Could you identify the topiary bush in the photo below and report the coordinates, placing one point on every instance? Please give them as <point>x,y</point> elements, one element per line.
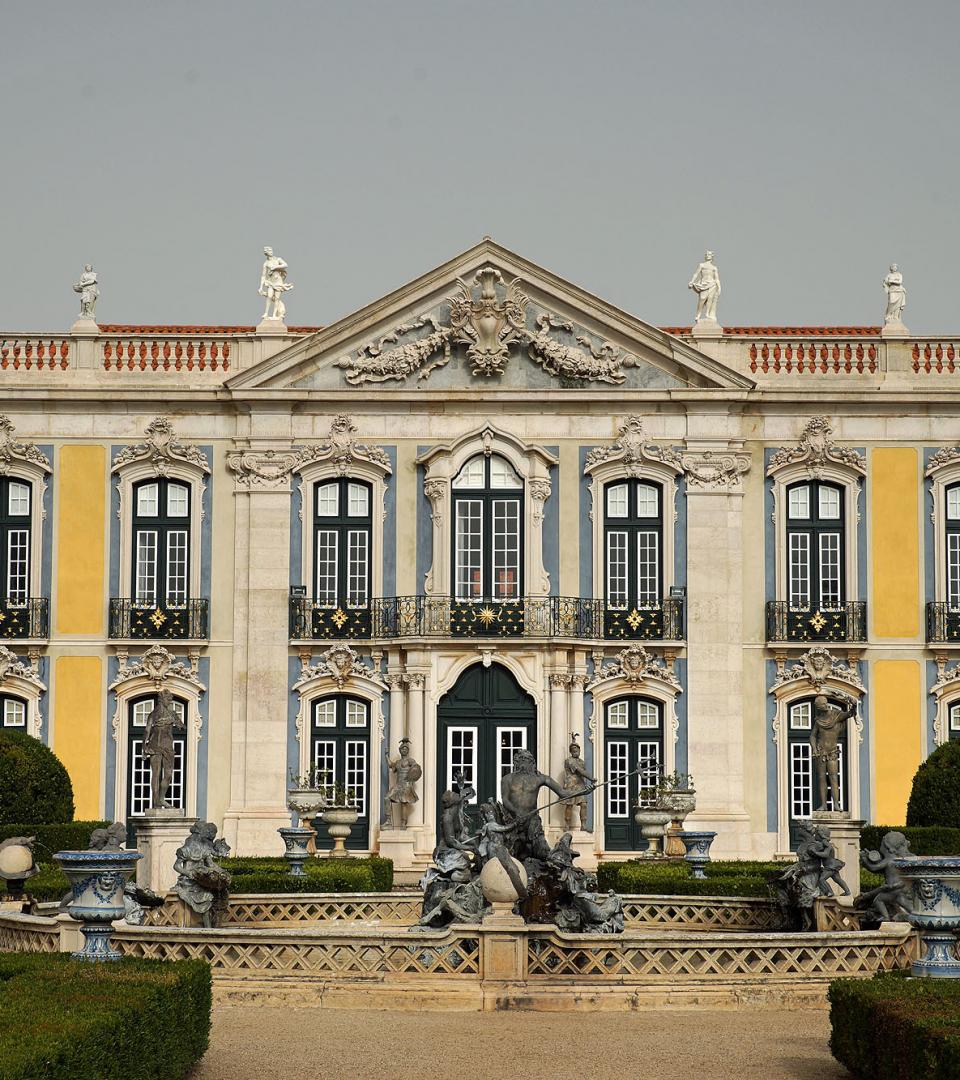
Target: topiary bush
<point>35,788</point>
<point>68,836</point>
<point>924,840</point>
<point>935,795</point>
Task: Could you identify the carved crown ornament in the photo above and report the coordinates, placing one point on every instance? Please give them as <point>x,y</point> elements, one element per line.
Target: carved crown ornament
<point>157,665</point>
<point>634,665</point>
<point>946,676</point>
<point>161,450</point>
<point>12,668</point>
<point>816,666</point>
<point>490,319</point>
<point>343,451</point>
<point>816,450</point>
<point>12,451</point>
<point>339,663</point>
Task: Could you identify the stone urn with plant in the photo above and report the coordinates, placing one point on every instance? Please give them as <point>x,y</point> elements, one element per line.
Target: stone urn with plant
<point>676,795</point>
<point>306,798</point>
<point>339,813</point>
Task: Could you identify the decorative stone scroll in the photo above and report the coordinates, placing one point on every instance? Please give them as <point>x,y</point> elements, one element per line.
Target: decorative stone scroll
<point>262,469</point>
<point>631,449</point>
<point>942,459</point>
<point>817,450</point>
<point>161,450</point>
<point>635,665</point>
<point>715,470</point>
<point>12,668</point>
<point>489,323</point>
<point>339,663</point>
<point>12,451</point>
<point>157,665</point>
<point>817,665</point>
<point>343,451</point>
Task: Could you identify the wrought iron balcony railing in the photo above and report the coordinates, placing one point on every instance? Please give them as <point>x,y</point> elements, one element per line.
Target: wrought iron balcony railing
<point>846,622</point>
<point>157,619</point>
<point>447,617</point>
<point>24,618</point>
<point>943,623</point>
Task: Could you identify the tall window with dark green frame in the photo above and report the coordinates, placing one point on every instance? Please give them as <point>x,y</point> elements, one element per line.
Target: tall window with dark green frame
<point>15,546</point>
<point>487,530</point>
<point>340,755</point>
<point>342,558</point>
<point>633,741</point>
<point>633,558</point>
<point>952,547</point>
<point>161,543</point>
<point>815,546</point>
<point>801,778</point>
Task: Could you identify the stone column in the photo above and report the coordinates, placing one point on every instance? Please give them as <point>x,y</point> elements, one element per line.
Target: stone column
<point>715,642</point>
<point>559,735</point>
<point>261,630</point>
<point>398,718</point>
<point>415,685</point>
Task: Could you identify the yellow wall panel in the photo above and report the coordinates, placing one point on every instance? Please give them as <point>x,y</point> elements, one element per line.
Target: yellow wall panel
<point>897,728</point>
<point>895,531</point>
<point>77,731</point>
<point>81,520</point>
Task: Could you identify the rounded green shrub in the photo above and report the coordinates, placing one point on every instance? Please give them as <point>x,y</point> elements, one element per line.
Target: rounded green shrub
<point>935,796</point>
<point>35,788</point>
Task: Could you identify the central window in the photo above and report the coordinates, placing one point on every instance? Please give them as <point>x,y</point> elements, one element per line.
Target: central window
<point>487,516</point>
<point>342,535</point>
<point>15,539</point>
<point>161,543</point>
<point>340,758</point>
<point>815,546</point>
<point>952,519</point>
<point>633,526</point>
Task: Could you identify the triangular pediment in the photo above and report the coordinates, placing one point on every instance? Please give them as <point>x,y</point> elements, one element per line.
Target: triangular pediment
<point>489,319</point>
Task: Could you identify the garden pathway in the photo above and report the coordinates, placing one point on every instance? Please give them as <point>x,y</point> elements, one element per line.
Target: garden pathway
<point>254,1043</point>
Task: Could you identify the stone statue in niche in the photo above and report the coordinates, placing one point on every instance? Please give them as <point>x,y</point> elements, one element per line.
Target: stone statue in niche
<point>573,780</point>
<point>273,284</point>
<point>891,900</point>
<point>88,290</point>
<point>158,747</point>
<point>896,295</point>
<point>829,724</point>
<point>202,884</point>
<point>706,284</point>
<point>399,800</point>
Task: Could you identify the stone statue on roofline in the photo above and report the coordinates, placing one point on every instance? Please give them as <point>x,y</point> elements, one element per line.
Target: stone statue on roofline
<point>896,296</point>
<point>273,284</point>
<point>89,291</point>
<point>706,284</point>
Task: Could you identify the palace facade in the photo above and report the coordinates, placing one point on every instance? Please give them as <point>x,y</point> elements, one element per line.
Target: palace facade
<point>487,511</point>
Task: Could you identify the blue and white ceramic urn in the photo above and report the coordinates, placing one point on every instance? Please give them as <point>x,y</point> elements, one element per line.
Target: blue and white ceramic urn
<point>96,880</point>
<point>295,842</point>
<point>697,846</point>
<point>935,884</point>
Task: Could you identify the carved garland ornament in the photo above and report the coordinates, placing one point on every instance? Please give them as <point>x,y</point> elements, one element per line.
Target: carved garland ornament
<point>817,666</point>
<point>634,665</point>
<point>12,668</point>
<point>816,449</point>
<point>946,455</point>
<point>489,326</point>
<point>161,450</point>
<point>632,449</point>
<point>12,451</point>
<point>157,665</point>
<point>339,663</point>
<point>342,450</point>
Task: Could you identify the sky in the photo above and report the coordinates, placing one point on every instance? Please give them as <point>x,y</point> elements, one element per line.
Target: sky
<point>808,144</point>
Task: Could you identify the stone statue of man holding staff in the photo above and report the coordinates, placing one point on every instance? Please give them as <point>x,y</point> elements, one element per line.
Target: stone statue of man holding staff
<point>829,724</point>
<point>519,791</point>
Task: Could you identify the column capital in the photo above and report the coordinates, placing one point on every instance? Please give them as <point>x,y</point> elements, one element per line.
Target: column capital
<point>262,470</point>
<point>714,469</point>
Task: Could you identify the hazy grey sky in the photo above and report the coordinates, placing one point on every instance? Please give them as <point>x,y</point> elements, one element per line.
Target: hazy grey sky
<point>808,144</point>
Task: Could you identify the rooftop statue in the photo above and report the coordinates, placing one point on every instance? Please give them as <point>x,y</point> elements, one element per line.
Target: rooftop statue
<point>88,290</point>
<point>158,747</point>
<point>896,295</point>
<point>829,724</point>
<point>706,284</point>
<point>273,284</point>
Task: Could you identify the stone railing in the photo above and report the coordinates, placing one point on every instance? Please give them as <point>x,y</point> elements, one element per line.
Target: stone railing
<point>936,357</point>
<point>836,357</point>
<point>166,354</point>
<point>26,353</point>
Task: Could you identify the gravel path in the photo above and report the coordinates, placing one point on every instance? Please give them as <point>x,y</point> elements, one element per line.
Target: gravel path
<point>252,1043</point>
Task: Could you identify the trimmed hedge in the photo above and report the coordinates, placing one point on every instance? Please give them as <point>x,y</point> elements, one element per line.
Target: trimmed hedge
<point>935,795</point>
<point>924,839</point>
<point>253,875</point>
<point>724,878</point>
<point>890,1027</point>
<point>49,884</point>
<point>69,836</point>
<point>35,788</point>
<point>65,1019</point>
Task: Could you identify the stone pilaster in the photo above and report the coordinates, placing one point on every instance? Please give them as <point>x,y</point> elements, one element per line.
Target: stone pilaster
<point>559,735</point>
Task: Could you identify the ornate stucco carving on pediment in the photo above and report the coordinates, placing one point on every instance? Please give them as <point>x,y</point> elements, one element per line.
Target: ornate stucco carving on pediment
<point>161,449</point>
<point>12,451</point>
<point>944,457</point>
<point>339,663</point>
<point>157,665</point>
<point>12,668</point>
<point>490,318</point>
<point>634,664</point>
<point>715,470</point>
<point>816,666</point>
<point>816,449</point>
<point>632,449</point>
<point>342,450</point>
<point>262,469</point>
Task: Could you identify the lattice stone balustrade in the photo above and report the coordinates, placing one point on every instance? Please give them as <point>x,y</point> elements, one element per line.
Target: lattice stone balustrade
<point>29,934</point>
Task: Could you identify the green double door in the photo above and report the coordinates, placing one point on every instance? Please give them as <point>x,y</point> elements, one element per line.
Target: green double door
<point>481,723</point>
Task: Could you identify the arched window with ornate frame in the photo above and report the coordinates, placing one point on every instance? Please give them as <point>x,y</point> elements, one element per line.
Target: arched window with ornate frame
<point>21,689</point>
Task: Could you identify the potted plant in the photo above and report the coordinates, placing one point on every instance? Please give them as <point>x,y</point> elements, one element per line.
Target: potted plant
<point>339,813</point>
<point>676,794</point>
<point>306,798</point>
<point>652,821</point>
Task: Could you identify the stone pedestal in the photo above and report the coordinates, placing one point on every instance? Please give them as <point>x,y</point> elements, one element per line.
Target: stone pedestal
<point>894,329</point>
<point>503,951</point>
<point>159,834</point>
<point>398,845</point>
<point>271,326</point>
<point>708,328</point>
<point>84,326</point>
<point>845,837</point>
<point>502,915</point>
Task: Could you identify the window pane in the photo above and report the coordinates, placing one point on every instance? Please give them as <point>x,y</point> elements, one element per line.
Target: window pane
<point>799,570</point>
<point>141,710</point>
<point>506,549</point>
<point>469,549</point>
<point>356,714</point>
<point>502,474</point>
<point>358,560</point>
<point>325,713</point>
<point>358,500</point>
<point>955,717</point>
<point>648,759</point>
<point>327,500</point>
<point>146,566</point>
<point>800,716</point>
<point>326,567</point>
<point>617,715</point>
<point>14,713</point>
<point>18,565</point>
<point>471,475</point>
<point>177,566</point>
<point>798,502</point>
<point>648,568</point>
<point>648,501</point>
<point>829,569</point>
<point>953,570</point>
<point>18,499</point>
<point>148,500</point>
<point>618,800</point>
<point>355,780</point>
<point>462,755</point>
<point>953,504</point>
<point>648,715</point>
<point>509,740</point>
<point>618,504</point>
<point>140,796</point>
<point>801,780</point>
<point>178,499</point>
<point>830,503</point>
<point>617,569</point>
<point>325,764</point>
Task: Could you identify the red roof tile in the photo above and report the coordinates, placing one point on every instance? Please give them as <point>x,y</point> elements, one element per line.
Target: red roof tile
<point>119,328</point>
<point>787,331</point>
